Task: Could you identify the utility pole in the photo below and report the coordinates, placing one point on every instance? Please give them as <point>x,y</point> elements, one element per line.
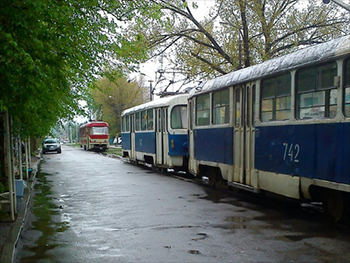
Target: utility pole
<point>150,85</point>
<point>150,89</point>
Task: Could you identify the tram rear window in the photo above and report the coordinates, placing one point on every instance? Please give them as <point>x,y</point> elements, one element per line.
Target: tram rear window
<point>99,131</point>
<point>179,117</point>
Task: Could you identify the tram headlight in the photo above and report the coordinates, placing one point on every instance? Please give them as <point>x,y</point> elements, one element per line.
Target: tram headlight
<point>172,144</point>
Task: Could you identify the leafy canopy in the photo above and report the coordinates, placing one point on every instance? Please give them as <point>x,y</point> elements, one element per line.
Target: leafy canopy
<point>237,33</point>
<point>51,50</point>
<point>112,96</point>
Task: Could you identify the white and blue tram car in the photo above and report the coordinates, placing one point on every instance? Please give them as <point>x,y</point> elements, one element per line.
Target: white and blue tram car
<point>282,126</point>
<point>156,133</point>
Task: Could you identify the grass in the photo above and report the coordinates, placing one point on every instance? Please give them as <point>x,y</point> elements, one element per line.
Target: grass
<point>117,151</point>
<point>76,145</point>
<point>111,150</point>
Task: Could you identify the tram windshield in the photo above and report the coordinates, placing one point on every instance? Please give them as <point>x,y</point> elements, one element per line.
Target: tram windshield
<point>179,117</point>
<point>99,131</point>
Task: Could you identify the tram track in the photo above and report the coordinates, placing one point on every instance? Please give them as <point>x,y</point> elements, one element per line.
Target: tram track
<point>304,210</point>
<point>308,210</point>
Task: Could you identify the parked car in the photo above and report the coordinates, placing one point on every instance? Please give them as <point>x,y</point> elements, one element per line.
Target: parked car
<point>51,145</point>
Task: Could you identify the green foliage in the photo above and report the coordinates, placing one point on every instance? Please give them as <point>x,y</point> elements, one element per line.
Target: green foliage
<point>3,188</point>
<point>3,215</point>
<point>51,50</point>
<point>238,33</point>
<point>113,95</point>
<point>114,151</point>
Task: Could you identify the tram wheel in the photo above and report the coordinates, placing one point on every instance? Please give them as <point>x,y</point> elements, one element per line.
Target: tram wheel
<point>333,204</point>
<point>162,170</point>
<point>212,179</point>
<point>346,215</point>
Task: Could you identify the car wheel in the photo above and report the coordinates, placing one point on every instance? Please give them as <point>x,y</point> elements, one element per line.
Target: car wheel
<point>59,151</point>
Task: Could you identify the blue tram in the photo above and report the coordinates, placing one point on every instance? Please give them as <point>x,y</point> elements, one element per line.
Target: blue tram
<point>282,126</point>
<point>156,133</point>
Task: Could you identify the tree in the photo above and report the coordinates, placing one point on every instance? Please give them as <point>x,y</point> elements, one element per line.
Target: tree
<point>112,96</point>
<point>239,33</point>
<point>51,50</point>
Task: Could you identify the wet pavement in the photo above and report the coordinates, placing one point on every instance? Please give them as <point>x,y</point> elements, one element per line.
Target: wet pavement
<point>87,207</point>
<point>9,230</point>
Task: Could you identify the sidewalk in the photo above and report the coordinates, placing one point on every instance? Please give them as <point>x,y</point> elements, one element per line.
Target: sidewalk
<point>10,231</point>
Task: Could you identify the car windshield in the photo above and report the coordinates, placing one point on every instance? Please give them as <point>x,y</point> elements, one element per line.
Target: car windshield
<point>50,141</point>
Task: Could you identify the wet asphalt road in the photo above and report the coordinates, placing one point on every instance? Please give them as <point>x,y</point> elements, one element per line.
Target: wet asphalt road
<point>92,208</point>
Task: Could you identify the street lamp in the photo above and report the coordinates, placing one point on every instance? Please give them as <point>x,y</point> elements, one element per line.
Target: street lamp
<point>150,86</point>
<point>341,3</point>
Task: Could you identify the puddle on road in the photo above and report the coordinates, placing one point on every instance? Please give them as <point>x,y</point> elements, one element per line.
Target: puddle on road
<point>194,252</point>
<point>42,219</point>
<point>220,197</point>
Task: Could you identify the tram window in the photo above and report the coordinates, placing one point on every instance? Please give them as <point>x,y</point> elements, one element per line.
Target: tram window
<point>238,109</point>
<point>137,121</point>
<point>165,120</point>
<point>159,118</point>
<point>123,123</point>
<point>203,110</point>
<point>127,124</point>
<point>221,109</point>
<point>247,117</point>
<point>145,120</point>
<point>276,98</point>
<point>99,130</point>
<point>191,114</point>
<point>150,122</point>
<point>347,87</point>
<point>347,72</point>
<point>316,96</point>
<point>179,117</point>
<point>306,80</point>
<point>312,105</point>
<point>253,105</point>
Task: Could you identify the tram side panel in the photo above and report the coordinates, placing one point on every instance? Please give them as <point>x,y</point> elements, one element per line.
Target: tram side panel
<point>126,144</point>
<point>315,151</point>
<point>145,146</point>
<point>214,145</point>
<point>213,153</point>
<point>178,149</point>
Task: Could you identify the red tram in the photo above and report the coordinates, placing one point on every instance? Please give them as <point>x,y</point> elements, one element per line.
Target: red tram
<point>94,135</point>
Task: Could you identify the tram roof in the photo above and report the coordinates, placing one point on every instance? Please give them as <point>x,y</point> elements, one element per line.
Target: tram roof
<point>303,57</point>
<point>95,124</point>
<point>158,103</point>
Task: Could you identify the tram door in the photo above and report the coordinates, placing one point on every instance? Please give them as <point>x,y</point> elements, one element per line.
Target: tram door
<point>132,137</point>
<point>161,136</point>
<point>244,99</point>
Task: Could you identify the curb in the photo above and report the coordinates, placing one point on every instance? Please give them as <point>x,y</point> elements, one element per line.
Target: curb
<point>9,248</point>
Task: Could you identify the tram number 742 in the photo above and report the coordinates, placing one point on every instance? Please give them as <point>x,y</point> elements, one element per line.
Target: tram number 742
<point>291,151</point>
